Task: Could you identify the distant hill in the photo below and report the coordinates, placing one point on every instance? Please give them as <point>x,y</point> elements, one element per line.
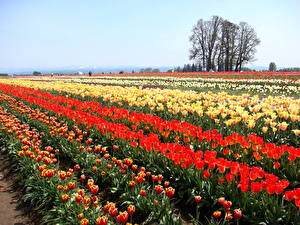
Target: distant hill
<point>108,69</point>
<point>72,70</point>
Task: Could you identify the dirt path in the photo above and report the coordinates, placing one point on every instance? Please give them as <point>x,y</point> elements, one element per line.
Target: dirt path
<point>10,211</point>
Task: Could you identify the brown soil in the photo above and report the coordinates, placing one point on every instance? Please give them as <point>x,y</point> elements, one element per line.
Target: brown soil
<point>11,211</point>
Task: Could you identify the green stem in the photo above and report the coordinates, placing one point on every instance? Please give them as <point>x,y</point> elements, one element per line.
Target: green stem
<point>197,212</point>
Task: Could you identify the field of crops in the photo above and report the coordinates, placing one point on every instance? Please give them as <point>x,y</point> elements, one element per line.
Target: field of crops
<point>156,149</point>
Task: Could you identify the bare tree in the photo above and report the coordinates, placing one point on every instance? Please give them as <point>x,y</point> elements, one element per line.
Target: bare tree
<point>221,45</point>
<point>248,41</point>
<point>198,39</point>
<point>204,40</point>
<point>229,44</point>
<point>213,30</point>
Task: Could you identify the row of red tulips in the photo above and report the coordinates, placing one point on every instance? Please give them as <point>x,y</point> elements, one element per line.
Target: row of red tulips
<point>105,167</point>
<point>39,165</point>
<point>234,144</point>
<point>61,129</point>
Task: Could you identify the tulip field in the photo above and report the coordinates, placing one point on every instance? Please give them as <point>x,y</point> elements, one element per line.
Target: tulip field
<point>157,149</point>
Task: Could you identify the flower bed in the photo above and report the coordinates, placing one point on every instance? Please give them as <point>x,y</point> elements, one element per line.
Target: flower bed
<point>257,170</point>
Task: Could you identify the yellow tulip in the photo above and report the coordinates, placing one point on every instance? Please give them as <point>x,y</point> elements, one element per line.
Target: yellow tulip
<point>264,129</point>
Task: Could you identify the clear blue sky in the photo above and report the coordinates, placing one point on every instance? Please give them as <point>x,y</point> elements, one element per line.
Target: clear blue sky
<point>59,33</point>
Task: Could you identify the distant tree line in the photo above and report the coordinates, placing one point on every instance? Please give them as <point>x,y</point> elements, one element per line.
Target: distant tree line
<point>221,45</point>
<point>187,68</point>
<point>149,70</point>
<point>292,69</point>
<point>36,73</point>
<point>198,68</point>
<point>273,68</point>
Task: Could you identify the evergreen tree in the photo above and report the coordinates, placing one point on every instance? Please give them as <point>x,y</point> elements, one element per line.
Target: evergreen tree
<point>272,67</point>
<point>188,68</point>
<point>193,68</point>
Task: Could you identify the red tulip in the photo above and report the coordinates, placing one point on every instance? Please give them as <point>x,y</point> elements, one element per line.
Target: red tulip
<point>143,193</point>
<point>131,183</point>
<point>113,211</point>
<point>237,214</point>
<point>276,165</point>
<point>217,214</point>
<point>80,216</point>
<point>131,209</point>
<point>62,175</point>
<point>71,185</point>
<point>289,195</point>
<point>166,183</point>
<point>82,177</point>
<point>84,222</point>
<point>102,220</point>
<point>65,197</point>
<point>94,189</point>
<point>78,198</point>
<point>122,217</point>
<point>227,204</point>
<point>80,192</point>
<point>221,200</point>
<point>198,198</point>
<point>206,174</point>
<point>256,187</point>
<point>158,189</point>
<point>170,192</point>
